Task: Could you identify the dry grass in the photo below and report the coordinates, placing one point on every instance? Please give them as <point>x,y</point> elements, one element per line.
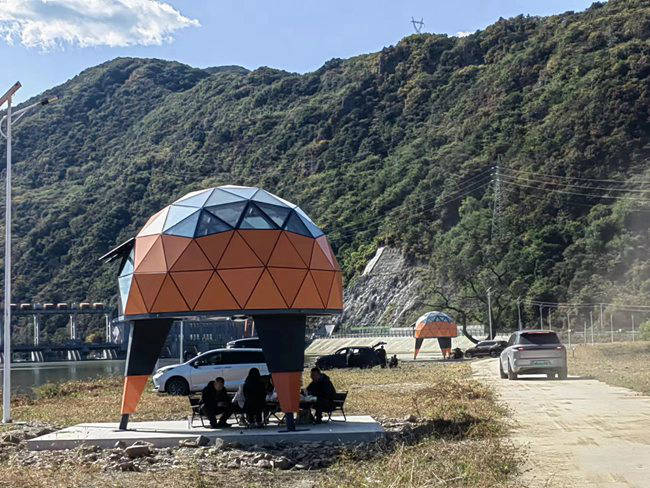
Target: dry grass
<point>462,446</point>
<point>620,364</point>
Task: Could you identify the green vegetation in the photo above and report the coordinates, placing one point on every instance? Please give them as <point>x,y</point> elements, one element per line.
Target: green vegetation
<point>644,331</point>
<point>379,149</point>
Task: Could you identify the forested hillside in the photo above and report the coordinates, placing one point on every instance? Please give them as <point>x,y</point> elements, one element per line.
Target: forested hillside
<point>393,147</point>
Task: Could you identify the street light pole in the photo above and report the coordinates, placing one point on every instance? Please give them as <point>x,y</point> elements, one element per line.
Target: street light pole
<point>541,321</point>
<point>11,118</point>
<point>519,311</point>
<point>591,321</point>
<point>489,290</point>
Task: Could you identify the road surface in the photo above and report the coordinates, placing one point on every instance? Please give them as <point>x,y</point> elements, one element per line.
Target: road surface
<point>578,432</point>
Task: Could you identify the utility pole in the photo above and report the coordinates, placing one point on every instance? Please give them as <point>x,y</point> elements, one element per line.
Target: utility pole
<point>519,311</point>
<point>568,325</point>
<point>489,290</point>
<point>549,319</point>
<point>611,325</point>
<point>497,207</point>
<point>181,338</point>
<point>541,318</point>
<point>591,321</point>
<point>417,25</point>
<point>632,316</point>
<point>585,332</point>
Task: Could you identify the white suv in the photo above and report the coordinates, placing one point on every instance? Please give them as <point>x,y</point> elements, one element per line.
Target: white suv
<point>533,352</point>
<point>231,364</point>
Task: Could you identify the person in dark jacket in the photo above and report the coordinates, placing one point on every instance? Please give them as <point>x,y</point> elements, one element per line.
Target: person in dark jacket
<point>214,401</point>
<point>254,390</point>
<point>322,388</point>
<point>381,355</point>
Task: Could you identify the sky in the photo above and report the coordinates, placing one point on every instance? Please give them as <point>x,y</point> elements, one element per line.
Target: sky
<point>43,43</point>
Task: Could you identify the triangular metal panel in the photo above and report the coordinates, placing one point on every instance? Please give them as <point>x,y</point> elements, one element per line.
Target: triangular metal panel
<point>216,297</point>
<point>261,242</point>
<point>191,284</point>
<point>266,295</point>
<point>169,299</point>
<point>174,247</point>
<point>240,282</point>
<point>214,245</point>
<point>154,261</point>
<point>238,254</point>
<point>149,285</point>
<point>323,280</point>
<point>135,304</point>
<point>192,259</point>
<point>284,254</point>
<point>288,281</point>
<point>308,296</point>
<point>156,225</point>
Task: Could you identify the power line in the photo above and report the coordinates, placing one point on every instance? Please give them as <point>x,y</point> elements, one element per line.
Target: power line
<point>577,186</point>
<point>622,182</point>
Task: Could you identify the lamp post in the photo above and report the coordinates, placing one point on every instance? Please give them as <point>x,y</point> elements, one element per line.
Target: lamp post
<point>489,290</point>
<point>519,312</point>
<point>11,118</point>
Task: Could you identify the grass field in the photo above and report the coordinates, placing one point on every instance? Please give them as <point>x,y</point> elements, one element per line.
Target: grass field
<point>464,444</point>
<point>620,364</point>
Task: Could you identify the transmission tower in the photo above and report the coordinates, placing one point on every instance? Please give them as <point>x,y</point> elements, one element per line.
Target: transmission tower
<point>417,25</point>
<point>497,204</point>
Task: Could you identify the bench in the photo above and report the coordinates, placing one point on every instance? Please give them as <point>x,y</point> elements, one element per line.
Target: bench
<point>339,401</point>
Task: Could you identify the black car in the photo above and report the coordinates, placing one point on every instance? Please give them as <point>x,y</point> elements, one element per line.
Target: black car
<point>486,348</point>
<point>248,342</point>
<point>350,357</point>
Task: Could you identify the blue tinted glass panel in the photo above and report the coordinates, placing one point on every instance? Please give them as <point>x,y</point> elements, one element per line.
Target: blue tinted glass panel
<point>294,224</point>
<point>195,199</point>
<point>315,231</point>
<point>125,287</point>
<point>178,213</point>
<point>276,214</point>
<point>209,224</point>
<point>185,228</point>
<point>255,219</point>
<point>229,212</point>
<point>266,197</point>
<point>127,266</point>
<point>242,191</point>
<point>219,197</point>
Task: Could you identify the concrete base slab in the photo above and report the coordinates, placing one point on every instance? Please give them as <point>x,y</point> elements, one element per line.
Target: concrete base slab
<point>167,434</point>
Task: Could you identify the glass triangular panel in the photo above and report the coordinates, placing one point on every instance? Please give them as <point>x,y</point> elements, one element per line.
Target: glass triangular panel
<point>156,225</point>
<point>254,218</point>
<point>242,191</point>
<point>313,228</point>
<point>219,197</point>
<point>275,213</point>
<point>195,199</point>
<point>127,266</point>
<point>266,197</point>
<point>294,224</point>
<point>176,214</point>
<point>185,228</point>
<point>125,286</point>
<point>229,213</point>
<point>209,224</point>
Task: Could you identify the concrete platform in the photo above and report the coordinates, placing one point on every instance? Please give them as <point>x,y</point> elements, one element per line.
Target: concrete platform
<point>167,434</point>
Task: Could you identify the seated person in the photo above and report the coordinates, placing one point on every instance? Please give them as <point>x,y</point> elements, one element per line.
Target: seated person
<point>214,400</point>
<point>253,397</point>
<point>322,388</point>
<point>393,361</point>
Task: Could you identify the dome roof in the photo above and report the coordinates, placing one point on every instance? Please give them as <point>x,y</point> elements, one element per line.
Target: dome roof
<point>435,316</point>
<point>225,208</point>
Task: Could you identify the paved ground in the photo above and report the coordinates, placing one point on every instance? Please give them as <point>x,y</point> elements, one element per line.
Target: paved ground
<point>579,432</point>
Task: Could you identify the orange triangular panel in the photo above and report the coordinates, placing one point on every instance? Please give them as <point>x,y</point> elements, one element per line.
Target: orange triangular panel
<point>192,259</point>
<point>302,244</point>
<point>149,284</point>
<point>319,259</point>
<point>135,303</point>
<point>174,247</point>
<point>285,255</point>
<point>216,297</point>
<point>323,280</point>
<point>238,255</point>
<point>336,293</point>
<point>214,245</point>
<point>154,261</point>
<point>169,298</point>
<point>307,295</point>
<point>327,250</point>
<point>191,284</point>
<point>266,295</point>
<point>261,242</point>
<point>240,282</point>
<point>142,247</point>
<point>133,388</point>
<point>288,281</point>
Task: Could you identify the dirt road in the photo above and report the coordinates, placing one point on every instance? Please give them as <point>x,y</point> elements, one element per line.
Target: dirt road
<point>579,432</point>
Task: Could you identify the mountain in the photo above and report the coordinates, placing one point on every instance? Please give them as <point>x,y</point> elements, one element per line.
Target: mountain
<point>396,147</point>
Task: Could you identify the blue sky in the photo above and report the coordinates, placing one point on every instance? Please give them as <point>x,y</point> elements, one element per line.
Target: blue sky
<point>43,44</point>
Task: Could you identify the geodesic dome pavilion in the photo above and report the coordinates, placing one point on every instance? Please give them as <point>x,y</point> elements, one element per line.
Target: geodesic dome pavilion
<point>435,325</point>
<point>230,250</point>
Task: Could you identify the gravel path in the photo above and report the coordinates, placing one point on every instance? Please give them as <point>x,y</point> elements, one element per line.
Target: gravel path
<point>578,432</point>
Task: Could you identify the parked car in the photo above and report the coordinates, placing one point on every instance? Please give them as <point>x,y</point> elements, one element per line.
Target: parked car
<point>350,357</point>
<point>533,352</point>
<point>248,342</point>
<point>486,348</point>
<point>231,364</point>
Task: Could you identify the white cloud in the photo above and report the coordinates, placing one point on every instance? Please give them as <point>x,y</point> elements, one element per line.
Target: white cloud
<point>54,23</point>
<point>463,33</point>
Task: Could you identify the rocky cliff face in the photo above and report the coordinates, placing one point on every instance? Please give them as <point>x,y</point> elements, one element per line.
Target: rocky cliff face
<point>385,295</point>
